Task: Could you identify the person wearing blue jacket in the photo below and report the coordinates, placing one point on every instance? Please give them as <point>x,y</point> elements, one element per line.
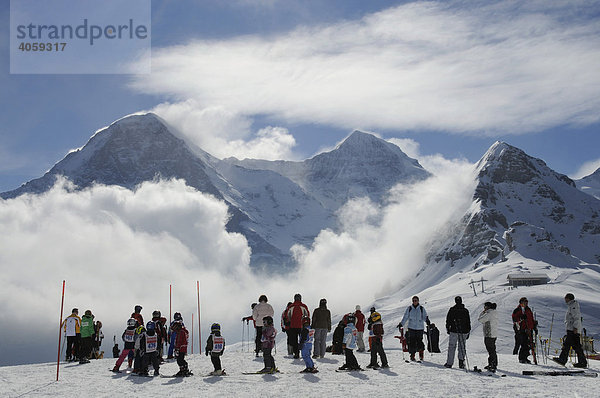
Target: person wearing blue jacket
<point>414,318</point>
<point>307,336</point>
<point>350,334</point>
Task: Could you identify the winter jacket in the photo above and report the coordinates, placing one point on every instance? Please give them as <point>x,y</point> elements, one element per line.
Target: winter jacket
<point>72,325</point>
<point>573,316</point>
<point>138,334</point>
<point>215,345</point>
<point>523,318</point>
<point>181,341</point>
<point>161,330</point>
<point>148,342</point>
<point>360,320</point>
<point>260,311</point>
<point>129,338</point>
<point>285,323</point>
<point>458,320</point>
<point>307,336</point>
<point>138,317</point>
<point>321,318</point>
<point>87,326</point>
<point>375,327</point>
<point>268,337</point>
<point>416,317</point>
<point>350,333</point>
<point>296,312</point>
<point>489,319</point>
<point>338,334</point>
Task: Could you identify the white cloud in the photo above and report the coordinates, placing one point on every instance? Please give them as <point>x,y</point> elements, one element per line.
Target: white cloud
<point>224,133</point>
<point>408,146</point>
<point>586,169</point>
<point>447,66</point>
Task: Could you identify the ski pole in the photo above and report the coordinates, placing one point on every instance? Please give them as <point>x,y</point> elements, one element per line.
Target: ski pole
<point>242,335</point>
<point>550,335</point>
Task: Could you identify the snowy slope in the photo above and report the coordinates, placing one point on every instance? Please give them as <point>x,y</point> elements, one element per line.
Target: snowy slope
<point>590,184</point>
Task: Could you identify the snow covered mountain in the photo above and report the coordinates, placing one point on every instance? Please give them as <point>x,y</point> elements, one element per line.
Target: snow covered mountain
<point>521,204</point>
<point>590,184</point>
<point>273,204</point>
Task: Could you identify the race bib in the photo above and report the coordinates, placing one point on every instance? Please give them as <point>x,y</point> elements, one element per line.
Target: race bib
<point>218,344</point>
<point>151,343</point>
<point>129,336</point>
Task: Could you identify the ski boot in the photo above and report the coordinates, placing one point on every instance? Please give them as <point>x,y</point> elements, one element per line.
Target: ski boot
<point>343,367</point>
<point>156,372</point>
<point>580,365</point>
<point>447,365</point>
<point>421,355</point>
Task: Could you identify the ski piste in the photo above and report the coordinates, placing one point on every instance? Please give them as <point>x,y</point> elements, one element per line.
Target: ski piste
<point>559,373</point>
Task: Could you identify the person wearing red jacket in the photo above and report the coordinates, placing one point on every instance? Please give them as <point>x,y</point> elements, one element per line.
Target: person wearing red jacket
<point>360,328</point>
<point>525,325</point>
<point>296,312</point>
<point>181,343</point>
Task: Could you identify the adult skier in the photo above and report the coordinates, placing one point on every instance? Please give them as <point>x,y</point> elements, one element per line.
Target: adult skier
<point>523,321</point>
<point>489,319</point>
<point>296,312</point>
<point>458,326</point>
<point>321,322</point>
<point>285,325</point>
<point>87,339</point>
<point>414,318</point>
<point>260,311</point>
<point>573,325</point>
<point>72,327</point>
<point>360,329</point>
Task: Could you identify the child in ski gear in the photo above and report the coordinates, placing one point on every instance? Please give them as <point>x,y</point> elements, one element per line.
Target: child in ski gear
<point>215,346</point>
<point>296,312</point>
<point>172,335</point>
<point>72,327</point>
<point>258,336</point>
<point>161,331</point>
<point>137,362</point>
<point>522,318</point>
<point>573,339</point>
<point>181,343</point>
<point>137,315</point>
<point>306,342</point>
<point>149,349</point>
<point>360,328</point>
<point>87,339</point>
<point>376,327</point>
<point>489,319</point>
<point>338,339</point>
<point>129,340</point>
<point>350,344</point>
<point>285,324</point>
<point>98,337</point>
<point>260,311</point>
<point>414,318</point>
<point>369,327</point>
<point>458,326</point>
<point>268,342</point>
<point>321,322</point>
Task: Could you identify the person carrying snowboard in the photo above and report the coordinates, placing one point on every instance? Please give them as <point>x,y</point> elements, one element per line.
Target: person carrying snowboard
<point>268,342</point>
<point>573,325</point>
<point>129,340</point>
<point>523,321</point>
<point>350,344</point>
<point>376,326</point>
<point>458,326</point>
<point>72,327</point>
<point>149,350</point>
<point>215,346</point>
<point>489,319</point>
<point>306,342</point>
<point>414,318</point>
<point>321,322</point>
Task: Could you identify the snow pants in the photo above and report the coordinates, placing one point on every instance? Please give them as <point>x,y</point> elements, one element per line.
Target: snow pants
<point>572,340</point>
<point>456,340</point>
<point>124,353</point>
<point>73,347</point>
<point>150,358</point>
<point>320,342</point>
<point>377,348</point>
<point>351,361</point>
<point>268,358</point>
<point>216,361</point>
<point>293,336</point>
<point>183,365</point>
<point>86,347</point>
<point>172,344</point>
<point>523,342</point>
<point>415,341</point>
<point>257,339</point>
<point>360,341</point>
<point>490,346</point>
<point>306,349</point>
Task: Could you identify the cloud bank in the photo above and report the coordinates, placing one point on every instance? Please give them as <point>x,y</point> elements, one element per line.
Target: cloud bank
<point>586,169</point>
<point>460,67</point>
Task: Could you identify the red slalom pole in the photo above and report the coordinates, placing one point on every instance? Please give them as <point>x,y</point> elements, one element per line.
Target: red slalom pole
<point>192,332</point>
<point>199,329</point>
<point>62,303</point>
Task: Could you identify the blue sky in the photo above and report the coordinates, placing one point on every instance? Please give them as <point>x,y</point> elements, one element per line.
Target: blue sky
<point>287,79</point>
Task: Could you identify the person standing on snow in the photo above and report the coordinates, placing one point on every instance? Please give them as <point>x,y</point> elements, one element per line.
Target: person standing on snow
<point>321,322</point>
<point>376,327</point>
<point>458,326</point>
<point>573,324</point>
<point>149,350</point>
<point>87,339</point>
<point>285,324</point>
<point>72,327</point>
<point>360,329</point>
<point>307,337</point>
<point>137,315</point>
<point>260,311</point>
<point>350,344</point>
<point>489,319</point>
<point>181,343</point>
<point>268,342</point>
<point>296,312</point>
<point>215,346</point>
<point>523,321</point>
<point>414,318</point>
<point>129,340</point>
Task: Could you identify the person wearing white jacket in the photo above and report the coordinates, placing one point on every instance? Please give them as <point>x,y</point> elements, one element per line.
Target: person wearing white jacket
<point>489,319</point>
<point>573,325</point>
<point>261,310</point>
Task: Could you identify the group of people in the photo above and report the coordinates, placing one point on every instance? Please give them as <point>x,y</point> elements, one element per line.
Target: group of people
<point>84,337</point>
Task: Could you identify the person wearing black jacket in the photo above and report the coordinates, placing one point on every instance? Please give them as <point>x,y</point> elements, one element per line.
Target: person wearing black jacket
<point>338,339</point>
<point>458,326</point>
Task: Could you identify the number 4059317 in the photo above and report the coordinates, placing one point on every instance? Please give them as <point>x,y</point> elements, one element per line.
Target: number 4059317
<point>42,46</point>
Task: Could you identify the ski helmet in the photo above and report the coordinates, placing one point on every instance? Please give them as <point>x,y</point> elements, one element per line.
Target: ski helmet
<point>150,325</point>
<point>137,309</point>
<point>306,320</point>
<point>350,318</point>
<point>375,317</point>
<point>156,314</point>
<point>131,322</point>
<point>177,316</point>
<point>215,327</point>
<point>268,320</point>
<point>297,297</point>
